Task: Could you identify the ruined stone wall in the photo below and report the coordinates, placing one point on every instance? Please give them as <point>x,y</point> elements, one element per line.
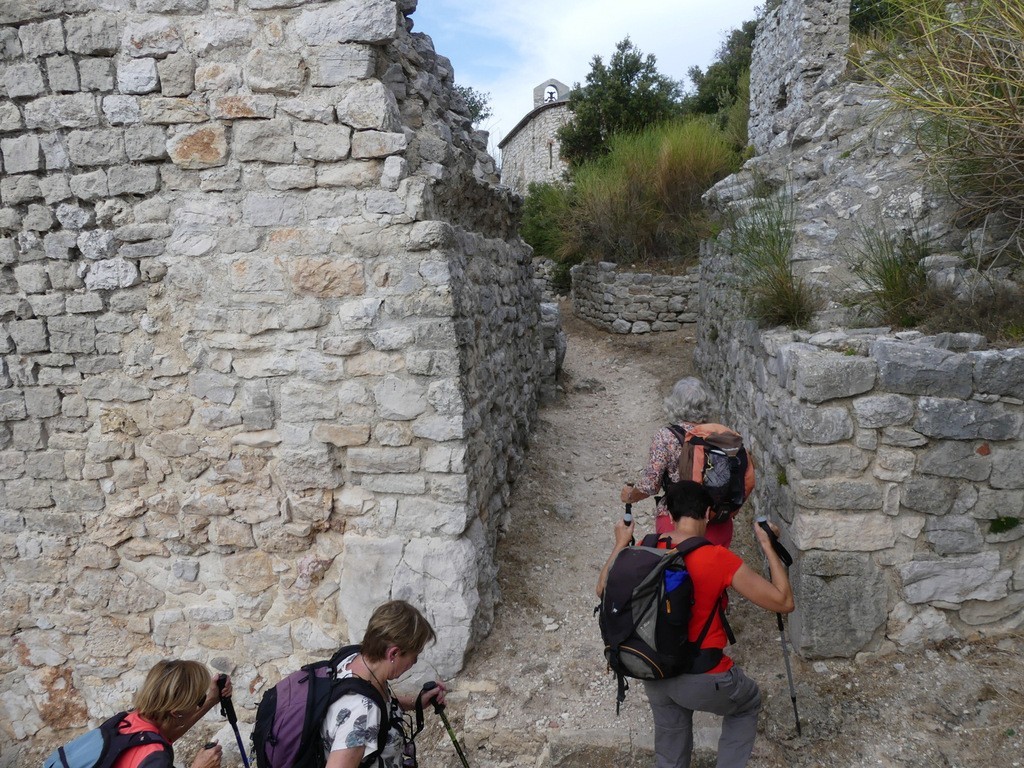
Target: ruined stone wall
<point>271,347</point>
<point>533,153</point>
<point>633,302</point>
<point>891,460</point>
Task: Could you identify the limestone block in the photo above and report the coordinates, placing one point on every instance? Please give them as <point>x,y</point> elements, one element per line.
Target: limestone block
<point>315,108</point>
<point>72,334</point>
<point>955,458</point>
<point>28,335</point>
<point>172,6</point>
<point>24,80</point>
<point>137,76</point>
<point>369,144</point>
<point>876,411</point>
<point>369,105</point>
<point>833,587</point>
<point>1006,470</point>
<point>133,180</point>
<point>152,37</point>
<point>291,177</point>
<point>361,589</point>
<point>893,464</point>
<point>121,110</point>
<point>341,64</point>
<point>96,74</point>
<point>93,34</point>
<point>97,147</point>
<point>218,76</point>
<point>226,33</point>
<point>988,612</point>
<point>816,462</point>
<point>1000,372</point>
<point>347,21</point>
<point>383,460</point>
<point>62,74</point>
<point>270,141</point>
<point>327,278</point>
<point>442,573</point>
<point>954,535</point>
<point>145,142</point>
<point>10,117</point>
<point>440,428</point>
<point>203,146</point>
<point>242,105</point>
<point>10,45</point>
<point>42,39</point>
<point>274,71</point>
<point>838,494</point>
<point>111,273</point>
<point>400,399</point>
<point>912,629</point>
<point>177,74</point>
<point>919,370</point>
<point>71,111</point>
<point>271,211</point>
<point>821,425</point>
<point>954,580</point>
<point>350,174</point>
<point>21,154</point>
<point>31,278</point>
<point>965,420</point>
<point>327,143</point>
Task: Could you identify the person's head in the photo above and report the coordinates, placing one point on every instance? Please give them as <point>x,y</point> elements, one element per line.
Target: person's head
<point>396,633</point>
<point>173,689</point>
<point>687,499</point>
<point>688,401</point>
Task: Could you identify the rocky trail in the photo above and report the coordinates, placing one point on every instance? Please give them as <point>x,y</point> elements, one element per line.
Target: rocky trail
<point>536,691</point>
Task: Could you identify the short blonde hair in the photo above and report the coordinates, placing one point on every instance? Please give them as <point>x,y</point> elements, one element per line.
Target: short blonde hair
<point>172,687</point>
<point>396,623</point>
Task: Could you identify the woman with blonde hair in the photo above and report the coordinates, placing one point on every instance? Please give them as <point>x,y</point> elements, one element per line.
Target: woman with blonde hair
<point>174,697</point>
<point>394,638</point>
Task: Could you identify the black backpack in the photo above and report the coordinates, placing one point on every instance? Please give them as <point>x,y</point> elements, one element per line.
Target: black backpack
<point>286,732</point>
<point>102,746</point>
<point>644,615</point>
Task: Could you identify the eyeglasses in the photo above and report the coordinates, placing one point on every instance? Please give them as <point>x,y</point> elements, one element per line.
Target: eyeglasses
<point>409,754</point>
<point>202,702</point>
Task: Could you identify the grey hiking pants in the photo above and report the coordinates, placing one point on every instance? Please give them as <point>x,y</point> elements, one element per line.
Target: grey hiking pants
<point>730,694</point>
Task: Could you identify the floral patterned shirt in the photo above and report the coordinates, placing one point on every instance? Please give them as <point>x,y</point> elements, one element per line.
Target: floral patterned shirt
<point>354,721</point>
<point>665,452</point>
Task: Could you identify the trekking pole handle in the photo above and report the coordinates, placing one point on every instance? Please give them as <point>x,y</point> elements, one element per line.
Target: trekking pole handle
<point>429,686</point>
<point>627,518</point>
<point>227,708</point>
<point>780,550</point>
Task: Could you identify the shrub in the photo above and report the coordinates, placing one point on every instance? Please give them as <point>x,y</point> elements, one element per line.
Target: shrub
<point>961,67</point>
<point>762,241</point>
<point>889,266</point>
<point>543,210</point>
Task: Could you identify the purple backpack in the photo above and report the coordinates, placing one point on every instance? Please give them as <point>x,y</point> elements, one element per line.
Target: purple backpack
<point>286,733</point>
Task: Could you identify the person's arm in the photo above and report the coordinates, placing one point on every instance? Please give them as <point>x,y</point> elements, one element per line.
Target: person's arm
<point>775,595</point>
<point>408,703</point>
<point>623,535</point>
<point>346,758</point>
<point>630,494</point>
<point>664,452</point>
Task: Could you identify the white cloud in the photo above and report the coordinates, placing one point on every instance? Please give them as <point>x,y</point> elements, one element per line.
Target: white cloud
<point>532,40</point>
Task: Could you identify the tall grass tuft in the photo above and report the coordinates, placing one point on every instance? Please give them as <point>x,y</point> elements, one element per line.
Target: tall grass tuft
<point>960,65</point>
<point>762,242</point>
<point>894,279</point>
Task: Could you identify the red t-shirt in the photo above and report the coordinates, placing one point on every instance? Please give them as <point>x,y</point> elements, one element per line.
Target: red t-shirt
<point>148,755</point>
<point>711,568</point>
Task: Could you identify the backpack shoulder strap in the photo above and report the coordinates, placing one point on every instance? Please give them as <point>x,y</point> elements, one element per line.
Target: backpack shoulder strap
<point>352,684</point>
<point>678,431</point>
<point>118,742</point>
<point>650,540</point>
<point>686,546</point>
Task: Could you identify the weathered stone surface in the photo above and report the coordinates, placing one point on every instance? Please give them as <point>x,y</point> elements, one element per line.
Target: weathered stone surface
<point>843,532</point>
<point>369,105</point>
<point>950,458</point>
<point>155,36</point>
<point>269,140</point>
<point>327,278</point>
<point>356,21</point>
<point>370,144</point>
<point>954,579</point>
<point>93,34</point>
<point>341,64</point>
<point>203,146</point>
<point>1000,372</point>
<point>326,143</point>
<point>838,494</point>
<point>137,75</point>
<point>273,71</point>
<point>918,370</point>
<point>1006,469</point>
<point>940,417</point>
<point>954,535</point>
<point>876,411</point>
<point>822,426</point>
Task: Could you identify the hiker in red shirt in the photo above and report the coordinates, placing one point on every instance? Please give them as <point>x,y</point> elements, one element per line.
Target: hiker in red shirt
<point>686,407</point>
<point>175,695</point>
<point>723,689</point>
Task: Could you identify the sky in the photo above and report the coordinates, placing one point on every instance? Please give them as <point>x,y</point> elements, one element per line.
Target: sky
<point>507,47</point>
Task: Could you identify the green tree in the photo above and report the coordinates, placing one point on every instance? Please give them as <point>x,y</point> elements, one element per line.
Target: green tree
<point>624,96</point>
<point>478,103</point>
<point>718,87</point>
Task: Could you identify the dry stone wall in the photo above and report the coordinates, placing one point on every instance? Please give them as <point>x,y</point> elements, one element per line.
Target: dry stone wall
<point>891,459</point>
<point>271,346</point>
<point>633,302</point>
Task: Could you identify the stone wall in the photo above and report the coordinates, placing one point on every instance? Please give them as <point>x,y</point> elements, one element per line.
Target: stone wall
<point>890,459</point>
<point>633,302</point>
<point>271,346</point>
<point>531,152</point>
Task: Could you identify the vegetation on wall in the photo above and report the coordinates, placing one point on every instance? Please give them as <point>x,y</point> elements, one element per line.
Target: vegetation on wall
<point>478,103</point>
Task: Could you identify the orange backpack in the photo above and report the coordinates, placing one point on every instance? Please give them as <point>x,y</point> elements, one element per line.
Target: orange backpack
<point>713,455</point>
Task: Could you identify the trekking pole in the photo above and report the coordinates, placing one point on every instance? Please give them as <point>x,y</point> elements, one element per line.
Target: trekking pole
<point>228,710</point>
<point>787,560</point>
<point>439,709</point>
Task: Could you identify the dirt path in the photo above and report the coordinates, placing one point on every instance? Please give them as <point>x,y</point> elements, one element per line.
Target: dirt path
<point>536,693</point>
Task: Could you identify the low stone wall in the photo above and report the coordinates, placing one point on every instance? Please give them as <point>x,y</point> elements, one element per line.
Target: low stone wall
<point>633,302</point>
<point>894,462</point>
